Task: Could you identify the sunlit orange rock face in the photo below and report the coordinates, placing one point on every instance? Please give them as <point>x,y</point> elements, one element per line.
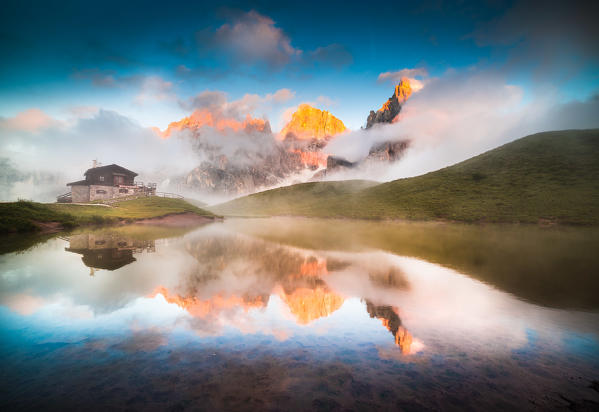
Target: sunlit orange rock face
<point>391,108</point>
<point>303,290</point>
<point>311,269</point>
<point>202,308</point>
<point>312,159</point>
<point>308,304</point>
<point>391,321</point>
<point>311,123</point>
<point>314,268</point>
<point>403,90</point>
<point>312,300</point>
<point>201,118</point>
<point>403,338</point>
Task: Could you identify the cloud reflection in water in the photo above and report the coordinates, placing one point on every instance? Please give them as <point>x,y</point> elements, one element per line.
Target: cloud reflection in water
<point>225,294</point>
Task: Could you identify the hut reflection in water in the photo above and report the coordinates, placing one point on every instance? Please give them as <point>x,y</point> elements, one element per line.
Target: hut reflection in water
<point>107,250</point>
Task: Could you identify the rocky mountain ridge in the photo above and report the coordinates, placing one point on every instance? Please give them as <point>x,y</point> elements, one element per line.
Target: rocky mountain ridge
<point>244,156</point>
<point>388,151</point>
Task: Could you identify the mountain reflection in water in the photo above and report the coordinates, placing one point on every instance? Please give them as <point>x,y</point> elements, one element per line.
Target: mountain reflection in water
<point>298,314</point>
<point>296,277</point>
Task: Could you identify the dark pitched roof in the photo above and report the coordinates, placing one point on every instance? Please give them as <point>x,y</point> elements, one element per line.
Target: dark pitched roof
<point>92,261</point>
<point>79,183</point>
<point>108,262</point>
<point>111,168</point>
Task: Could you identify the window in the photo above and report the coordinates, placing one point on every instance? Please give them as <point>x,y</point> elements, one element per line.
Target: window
<point>100,192</point>
<point>101,178</point>
<point>123,191</point>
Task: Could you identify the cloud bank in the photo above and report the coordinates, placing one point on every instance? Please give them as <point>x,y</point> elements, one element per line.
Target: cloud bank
<point>253,40</point>
<point>416,77</point>
<point>396,76</point>
<point>460,115</point>
<point>41,154</point>
<point>217,101</point>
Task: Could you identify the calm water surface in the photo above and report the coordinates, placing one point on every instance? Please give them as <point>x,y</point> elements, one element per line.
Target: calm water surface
<point>279,314</point>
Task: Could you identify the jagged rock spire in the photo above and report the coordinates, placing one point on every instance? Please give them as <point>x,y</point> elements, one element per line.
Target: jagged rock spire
<point>391,107</point>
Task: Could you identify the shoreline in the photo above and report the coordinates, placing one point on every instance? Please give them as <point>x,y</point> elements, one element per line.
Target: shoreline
<point>182,219</point>
<point>44,218</point>
<point>540,223</point>
<point>170,220</point>
<point>176,220</point>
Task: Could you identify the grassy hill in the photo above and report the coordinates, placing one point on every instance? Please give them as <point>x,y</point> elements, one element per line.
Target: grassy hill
<point>302,199</point>
<point>25,216</point>
<point>552,176</point>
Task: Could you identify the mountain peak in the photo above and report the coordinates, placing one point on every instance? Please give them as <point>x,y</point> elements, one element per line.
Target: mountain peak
<point>391,108</point>
<point>403,90</point>
<point>311,123</point>
<point>206,118</point>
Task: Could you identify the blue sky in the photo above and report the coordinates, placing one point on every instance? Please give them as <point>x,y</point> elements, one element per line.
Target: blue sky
<point>146,60</point>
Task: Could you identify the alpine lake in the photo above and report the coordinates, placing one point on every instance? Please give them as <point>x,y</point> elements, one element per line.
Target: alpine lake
<point>301,314</point>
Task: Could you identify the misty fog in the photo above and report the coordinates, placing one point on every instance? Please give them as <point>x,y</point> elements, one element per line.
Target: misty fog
<point>453,117</point>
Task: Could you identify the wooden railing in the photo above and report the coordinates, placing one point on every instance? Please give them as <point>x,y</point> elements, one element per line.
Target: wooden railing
<point>148,185</point>
<point>171,195</point>
<point>65,198</point>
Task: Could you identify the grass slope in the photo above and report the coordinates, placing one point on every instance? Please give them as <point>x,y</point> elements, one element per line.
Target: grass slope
<point>25,216</point>
<point>301,199</point>
<point>547,176</point>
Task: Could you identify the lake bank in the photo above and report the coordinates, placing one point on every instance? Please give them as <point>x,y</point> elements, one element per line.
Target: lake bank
<point>176,220</point>
<point>25,216</point>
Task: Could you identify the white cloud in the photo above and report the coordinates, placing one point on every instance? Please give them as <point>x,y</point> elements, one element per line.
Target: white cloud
<point>83,111</point>
<point>281,96</point>
<point>31,120</point>
<point>154,89</point>
<point>55,152</point>
<point>410,74</point>
<point>248,104</point>
<point>254,38</point>
<point>460,115</point>
<point>396,76</point>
